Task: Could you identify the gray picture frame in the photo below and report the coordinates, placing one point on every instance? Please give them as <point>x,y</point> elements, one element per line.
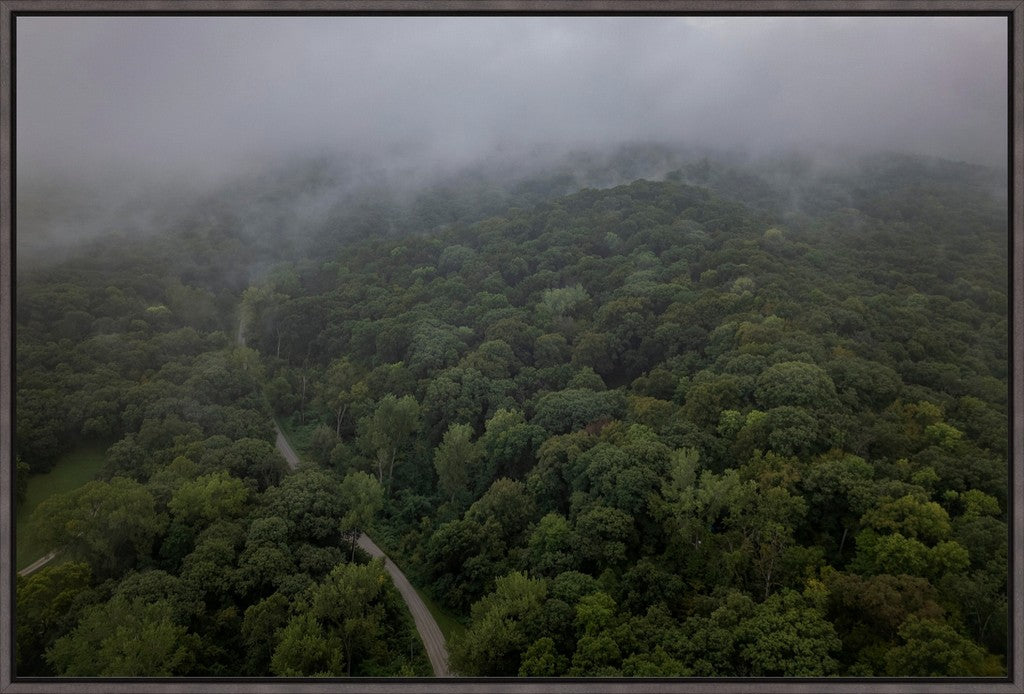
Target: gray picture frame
<point>1013,10</point>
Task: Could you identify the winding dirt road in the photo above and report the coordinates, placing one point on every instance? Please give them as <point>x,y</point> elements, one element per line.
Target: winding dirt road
<point>430,633</point>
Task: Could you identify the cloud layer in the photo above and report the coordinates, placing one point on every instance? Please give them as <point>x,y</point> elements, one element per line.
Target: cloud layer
<point>208,96</point>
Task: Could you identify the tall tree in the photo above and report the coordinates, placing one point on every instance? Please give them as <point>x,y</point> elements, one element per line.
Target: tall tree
<point>124,638</point>
<point>363,497</point>
<point>109,524</point>
<point>388,430</point>
<point>455,459</point>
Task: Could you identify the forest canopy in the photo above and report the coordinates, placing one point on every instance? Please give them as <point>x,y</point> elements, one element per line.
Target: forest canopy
<point>701,423</point>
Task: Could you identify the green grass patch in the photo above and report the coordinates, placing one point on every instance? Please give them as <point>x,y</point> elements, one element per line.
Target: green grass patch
<point>299,435</point>
<point>448,623</point>
<point>73,469</point>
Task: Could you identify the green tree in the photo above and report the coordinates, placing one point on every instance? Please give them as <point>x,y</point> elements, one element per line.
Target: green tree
<point>572,409</point>
<point>795,384</point>
<point>542,660</point>
<point>552,546</point>
<point>261,630</point>
<point>125,639</point>
<point>838,489</point>
<point>152,586</point>
<point>305,648</point>
<point>558,304</point>
<point>910,516</point>
<point>462,395</point>
<point>49,603</point>
<point>510,446</point>
<point>210,570</point>
<point>210,497</point>
<point>455,459</point>
<point>311,503</point>
<point>891,554</point>
<point>596,656</point>
<point>494,359</point>
<point>350,606</point>
<point>788,636</point>
<point>254,459</point>
<point>595,350</point>
<point>459,559</point>
<point>507,504</point>
<point>550,349</point>
<point>364,498</point>
<point>934,649</point>
<point>322,443</point>
<point>343,390</point>
<point>434,347</point>
<point>710,646</point>
<point>605,536</point>
<point>867,611</point>
<point>388,431</point>
<point>500,633</point>
<point>267,558</point>
<point>108,524</point>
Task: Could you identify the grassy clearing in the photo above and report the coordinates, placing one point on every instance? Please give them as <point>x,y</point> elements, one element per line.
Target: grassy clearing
<point>72,470</point>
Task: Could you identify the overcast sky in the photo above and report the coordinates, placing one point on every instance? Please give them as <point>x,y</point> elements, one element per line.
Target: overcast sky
<point>206,96</point>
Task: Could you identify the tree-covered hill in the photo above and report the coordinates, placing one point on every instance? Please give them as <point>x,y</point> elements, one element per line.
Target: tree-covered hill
<point>637,430</point>
<point>708,416</point>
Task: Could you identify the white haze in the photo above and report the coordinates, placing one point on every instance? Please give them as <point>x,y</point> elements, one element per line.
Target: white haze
<point>136,107</point>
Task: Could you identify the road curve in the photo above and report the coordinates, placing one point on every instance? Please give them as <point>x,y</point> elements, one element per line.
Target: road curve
<point>430,633</point>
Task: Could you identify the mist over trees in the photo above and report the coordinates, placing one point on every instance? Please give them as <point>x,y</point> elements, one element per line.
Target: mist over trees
<point>719,416</point>
<point>644,346</point>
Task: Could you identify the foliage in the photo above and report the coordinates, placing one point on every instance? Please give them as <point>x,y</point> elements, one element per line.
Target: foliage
<point>744,421</point>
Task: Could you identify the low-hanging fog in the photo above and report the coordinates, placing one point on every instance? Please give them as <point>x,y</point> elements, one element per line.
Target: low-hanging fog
<point>162,109</point>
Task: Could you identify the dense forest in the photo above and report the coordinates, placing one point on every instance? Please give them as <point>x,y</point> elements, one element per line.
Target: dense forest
<point>650,413</point>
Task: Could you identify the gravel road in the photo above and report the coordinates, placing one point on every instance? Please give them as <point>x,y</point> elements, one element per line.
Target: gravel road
<point>286,449</point>
<point>430,633</point>
<point>38,564</point>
